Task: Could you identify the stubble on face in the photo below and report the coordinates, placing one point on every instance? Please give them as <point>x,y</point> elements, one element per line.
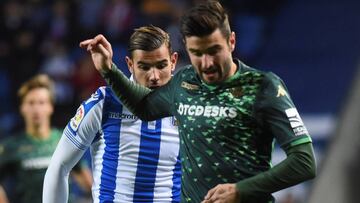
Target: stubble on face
<point>211,56</point>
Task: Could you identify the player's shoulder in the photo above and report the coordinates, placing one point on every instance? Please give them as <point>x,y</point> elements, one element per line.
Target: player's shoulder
<point>272,84</point>
<point>275,83</point>
<point>265,76</point>
<point>4,144</point>
<point>16,137</point>
<point>97,96</point>
<point>10,144</point>
<point>56,133</point>
<point>5,147</point>
<point>93,102</point>
<point>101,94</point>
<point>271,76</point>
<point>249,75</point>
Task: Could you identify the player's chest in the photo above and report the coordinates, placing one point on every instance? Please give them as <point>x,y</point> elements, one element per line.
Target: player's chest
<point>228,102</point>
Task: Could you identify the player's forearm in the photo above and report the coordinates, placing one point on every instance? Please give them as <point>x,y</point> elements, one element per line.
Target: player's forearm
<point>299,166</point>
<point>55,189</point>
<point>66,155</point>
<point>129,93</point>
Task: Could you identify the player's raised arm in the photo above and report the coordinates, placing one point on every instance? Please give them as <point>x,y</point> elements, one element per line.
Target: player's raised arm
<point>101,52</point>
<point>127,91</point>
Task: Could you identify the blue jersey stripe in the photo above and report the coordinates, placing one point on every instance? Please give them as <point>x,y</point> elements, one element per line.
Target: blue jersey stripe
<point>147,162</point>
<point>111,129</point>
<point>176,189</point>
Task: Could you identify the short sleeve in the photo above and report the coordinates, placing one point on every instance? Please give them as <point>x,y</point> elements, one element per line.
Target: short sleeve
<point>86,124</point>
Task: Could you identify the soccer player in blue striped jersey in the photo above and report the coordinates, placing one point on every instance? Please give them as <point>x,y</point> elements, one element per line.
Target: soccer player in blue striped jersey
<point>132,160</point>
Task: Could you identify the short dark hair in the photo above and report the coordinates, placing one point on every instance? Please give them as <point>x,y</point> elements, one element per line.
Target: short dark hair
<point>38,81</point>
<point>148,38</point>
<point>204,19</point>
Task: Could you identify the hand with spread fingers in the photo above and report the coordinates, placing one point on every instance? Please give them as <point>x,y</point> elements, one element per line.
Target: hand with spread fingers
<point>222,193</point>
<point>101,52</point>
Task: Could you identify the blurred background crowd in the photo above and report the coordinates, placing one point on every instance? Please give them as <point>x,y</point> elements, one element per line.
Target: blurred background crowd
<point>43,36</point>
<point>314,46</point>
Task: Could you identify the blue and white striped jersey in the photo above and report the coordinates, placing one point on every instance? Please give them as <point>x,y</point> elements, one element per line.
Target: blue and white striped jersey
<point>132,160</point>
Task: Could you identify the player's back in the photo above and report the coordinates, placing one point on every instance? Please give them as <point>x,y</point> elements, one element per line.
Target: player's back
<point>132,160</point>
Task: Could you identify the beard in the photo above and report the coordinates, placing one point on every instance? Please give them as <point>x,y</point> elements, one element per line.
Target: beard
<point>217,73</point>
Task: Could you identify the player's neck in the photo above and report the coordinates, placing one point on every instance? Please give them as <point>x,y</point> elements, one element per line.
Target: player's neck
<point>40,132</point>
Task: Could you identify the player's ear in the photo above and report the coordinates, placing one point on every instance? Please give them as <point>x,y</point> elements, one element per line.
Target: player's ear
<point>232,41</point>
<point>173,59</point>
<point>130,64</point>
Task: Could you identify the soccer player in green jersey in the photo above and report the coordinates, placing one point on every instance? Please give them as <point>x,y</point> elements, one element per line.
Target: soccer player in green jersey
<point>229,115</point>
<point>25,157</point>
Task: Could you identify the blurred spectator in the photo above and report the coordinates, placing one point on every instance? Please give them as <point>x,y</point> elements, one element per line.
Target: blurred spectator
<point>13,17</point>
<point>157,12</point>
<point>118,18</point>
<point>59,25</point>
<point>88,25</point>
<point>177,8</point>
<point>24,158</point>
<point>7,117</point>
<point>86,79</point>
<point>59,67</point>
<point>252,23</point>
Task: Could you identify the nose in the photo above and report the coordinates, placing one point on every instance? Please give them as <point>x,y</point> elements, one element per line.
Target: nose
<point>154,75</point>
<point>206,61</point>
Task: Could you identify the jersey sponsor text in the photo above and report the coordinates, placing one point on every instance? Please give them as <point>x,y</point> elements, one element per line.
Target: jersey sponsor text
<point>117,115</point>
<point>36,163</point>
<point>207,111</point>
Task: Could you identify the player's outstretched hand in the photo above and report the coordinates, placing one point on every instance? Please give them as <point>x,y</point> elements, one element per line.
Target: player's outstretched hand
<point>222,193</point>
<point>101,52</point>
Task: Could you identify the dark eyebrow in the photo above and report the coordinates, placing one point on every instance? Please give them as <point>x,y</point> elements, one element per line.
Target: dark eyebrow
<point>157,62</point>
<point>193,50</point>
<point>217,46</point>
<point>214,47</point>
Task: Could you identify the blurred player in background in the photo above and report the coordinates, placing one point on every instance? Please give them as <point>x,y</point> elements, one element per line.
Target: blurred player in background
<point>24,158</point>
<point>133,161</point>
<point>229,115</point>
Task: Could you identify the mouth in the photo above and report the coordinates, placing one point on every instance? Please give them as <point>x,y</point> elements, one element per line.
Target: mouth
<point>154,86</point>
<point>210,72</point>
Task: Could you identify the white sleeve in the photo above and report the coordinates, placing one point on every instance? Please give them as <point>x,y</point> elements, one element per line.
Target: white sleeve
<point>77,137</point>
<point>65,157</point>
